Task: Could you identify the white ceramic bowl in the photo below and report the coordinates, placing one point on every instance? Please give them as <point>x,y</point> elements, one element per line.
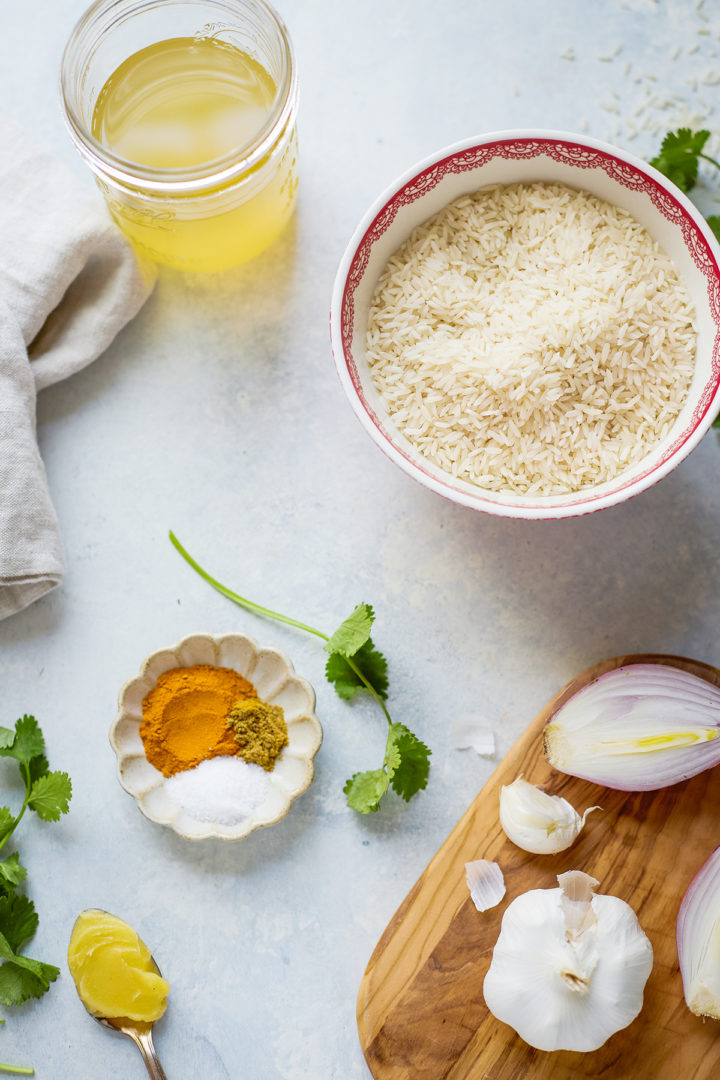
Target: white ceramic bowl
<point>509,157</point>
<point>274,678</point>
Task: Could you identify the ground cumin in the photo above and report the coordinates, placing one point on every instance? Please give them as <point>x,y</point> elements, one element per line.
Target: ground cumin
<point>184,716</point>
<point>260,731</point>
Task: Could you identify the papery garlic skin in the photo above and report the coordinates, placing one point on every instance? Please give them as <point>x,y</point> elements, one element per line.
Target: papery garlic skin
<point>562,988</point>
<point>637,728</point>
<point>698,940</point>
<point>472,733</point>
<point>486,883</point>
<point>537,822</point>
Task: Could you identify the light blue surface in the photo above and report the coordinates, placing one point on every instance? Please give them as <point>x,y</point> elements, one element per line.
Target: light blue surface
<point>218,413</point>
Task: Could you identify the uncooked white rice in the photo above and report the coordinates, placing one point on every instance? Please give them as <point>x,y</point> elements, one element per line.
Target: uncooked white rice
<point>532,338</point>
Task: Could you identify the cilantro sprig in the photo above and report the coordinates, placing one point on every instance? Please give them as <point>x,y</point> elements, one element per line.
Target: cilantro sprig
<point>679,159</point>
<point>354,664</point>
<point>48,795</point>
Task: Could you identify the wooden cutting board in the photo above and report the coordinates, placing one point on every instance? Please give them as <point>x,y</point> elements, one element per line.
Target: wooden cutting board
<point>421,1013</point>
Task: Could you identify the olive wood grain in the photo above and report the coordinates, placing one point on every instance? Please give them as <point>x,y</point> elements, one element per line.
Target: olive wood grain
<point>421,1013</point>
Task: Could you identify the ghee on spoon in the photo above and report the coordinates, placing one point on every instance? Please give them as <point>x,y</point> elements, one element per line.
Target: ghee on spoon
<point>117,980</point>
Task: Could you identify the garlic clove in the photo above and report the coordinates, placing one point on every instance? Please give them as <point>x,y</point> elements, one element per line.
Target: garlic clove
<point>569,967</point>
<point>637,728</point>
<point>537,822</point>
<point>698,940</point>
<point>486,883</point>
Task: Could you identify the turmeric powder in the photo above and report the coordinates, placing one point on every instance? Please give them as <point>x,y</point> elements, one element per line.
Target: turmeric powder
<point>184,716</point>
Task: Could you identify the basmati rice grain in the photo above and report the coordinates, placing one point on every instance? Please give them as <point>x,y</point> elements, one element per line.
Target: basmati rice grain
<point>532,338</point>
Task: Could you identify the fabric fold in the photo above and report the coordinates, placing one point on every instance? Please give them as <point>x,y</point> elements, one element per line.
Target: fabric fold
<point>69,281</point>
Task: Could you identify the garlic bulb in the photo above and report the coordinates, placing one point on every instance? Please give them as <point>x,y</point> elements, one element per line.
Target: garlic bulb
<point>698,940</point>
<point>569,967</point>
<point>536,821</point>
<point>637,728</point>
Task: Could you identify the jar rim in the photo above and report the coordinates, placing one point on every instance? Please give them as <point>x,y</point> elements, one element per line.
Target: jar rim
<point>183,180</point>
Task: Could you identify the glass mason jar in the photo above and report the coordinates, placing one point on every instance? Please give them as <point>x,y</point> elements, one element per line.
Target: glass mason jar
<point>209,216</point>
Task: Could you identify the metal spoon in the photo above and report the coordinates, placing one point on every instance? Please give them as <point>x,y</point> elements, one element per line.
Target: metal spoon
<point>141,1034</point>
<point>140,1031</point>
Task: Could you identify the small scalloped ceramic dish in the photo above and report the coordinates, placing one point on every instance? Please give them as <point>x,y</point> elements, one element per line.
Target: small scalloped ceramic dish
<point>274,678</point>
<point>509,157</point>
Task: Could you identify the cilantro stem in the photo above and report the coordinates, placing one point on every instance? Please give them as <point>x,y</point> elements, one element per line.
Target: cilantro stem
<point>241,600</point>
<point>25,770</point>
<point>368,686</point>
<point>24,1070</point>
<point>405,763</point>
<point>711,160</point>
<point>259,610</point>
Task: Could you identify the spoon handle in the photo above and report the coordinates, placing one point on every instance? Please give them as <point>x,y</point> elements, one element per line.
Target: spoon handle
<point>144,1043</point>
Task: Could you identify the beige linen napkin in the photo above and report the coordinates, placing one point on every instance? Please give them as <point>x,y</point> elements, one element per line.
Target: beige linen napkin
<point>69,281</point>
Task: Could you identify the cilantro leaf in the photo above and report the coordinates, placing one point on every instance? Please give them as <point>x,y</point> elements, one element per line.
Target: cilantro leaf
<point>410,774</point>
<point>352,634</point>
<point>367,659</point>
<point>714,223</point>
<point>20,982</point>
<point>364,790</point>
<point>341,675</point>
<point>50,795</point>
<point>406,766</point>
<point>18,920</point>
<point>373,665</point>
<point>392,759</point>
<point>37,767</point>
<point>678,157</point>
<point>11,872</point>
<point>28,741</point>
<point>7,821</point>
<point>43,974</point>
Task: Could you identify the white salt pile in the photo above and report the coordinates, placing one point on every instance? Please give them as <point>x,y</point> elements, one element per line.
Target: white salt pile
<point>224,790</point>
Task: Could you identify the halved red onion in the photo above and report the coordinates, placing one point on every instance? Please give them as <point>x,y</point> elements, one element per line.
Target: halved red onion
<point>637,728</point>
<point>698,940</point>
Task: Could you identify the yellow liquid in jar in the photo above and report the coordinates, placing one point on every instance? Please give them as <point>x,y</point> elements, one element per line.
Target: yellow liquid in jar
<point>182,104</point>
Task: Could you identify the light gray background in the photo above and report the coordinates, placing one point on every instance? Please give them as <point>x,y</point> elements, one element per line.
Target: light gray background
<point>218,413</point>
